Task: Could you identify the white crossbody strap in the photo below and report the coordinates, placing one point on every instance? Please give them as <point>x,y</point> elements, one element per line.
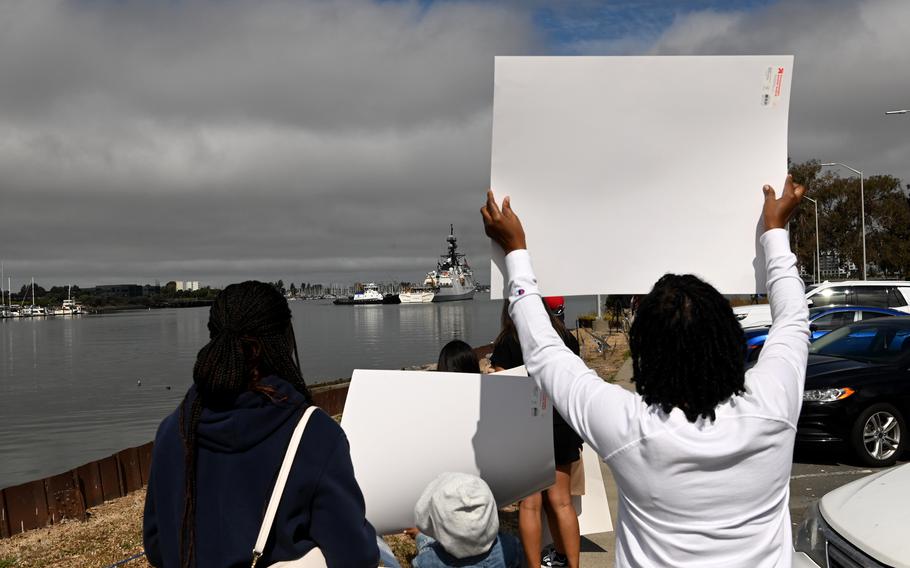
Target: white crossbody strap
<point>280,482</point>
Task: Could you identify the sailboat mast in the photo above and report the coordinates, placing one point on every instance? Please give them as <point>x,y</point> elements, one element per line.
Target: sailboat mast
<point>33,290</point>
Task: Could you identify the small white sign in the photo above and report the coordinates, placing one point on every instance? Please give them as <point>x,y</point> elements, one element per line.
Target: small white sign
<point>625,168</point>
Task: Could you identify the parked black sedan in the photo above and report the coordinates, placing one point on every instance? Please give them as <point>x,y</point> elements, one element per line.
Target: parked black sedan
<point>858,390</point>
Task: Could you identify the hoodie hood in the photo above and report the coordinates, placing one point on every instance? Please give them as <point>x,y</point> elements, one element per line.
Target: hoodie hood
<point>252,418</point>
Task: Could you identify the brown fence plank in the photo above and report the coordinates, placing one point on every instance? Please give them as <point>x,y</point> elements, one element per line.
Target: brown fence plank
<point>331,400</point>
<point>145,461</point>
<point>4,516</point>
<point>129,469</point>
<point>89,477</point>
<point>26,505</point>
<point>111,484</point>
<point>64,498</point>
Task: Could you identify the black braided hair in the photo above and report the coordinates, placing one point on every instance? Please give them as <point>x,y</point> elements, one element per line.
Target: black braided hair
<point>458,357</point>
<point>688,350</point>
<point>250,337</point>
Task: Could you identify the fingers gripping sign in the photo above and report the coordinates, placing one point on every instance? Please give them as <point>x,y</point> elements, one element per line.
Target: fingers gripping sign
<point>777,211</point>
<point>503,225</point>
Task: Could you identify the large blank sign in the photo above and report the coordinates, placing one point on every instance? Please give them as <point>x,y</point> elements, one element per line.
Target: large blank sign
<point>626,168</point>
<point>407,427</point>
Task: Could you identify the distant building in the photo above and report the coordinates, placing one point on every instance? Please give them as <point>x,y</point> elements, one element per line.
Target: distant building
<point>150,290</point>
<point>834,268</point>
<point>187,285</point>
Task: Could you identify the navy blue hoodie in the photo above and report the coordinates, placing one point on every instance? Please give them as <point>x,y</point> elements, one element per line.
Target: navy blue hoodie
<point>239,453</point>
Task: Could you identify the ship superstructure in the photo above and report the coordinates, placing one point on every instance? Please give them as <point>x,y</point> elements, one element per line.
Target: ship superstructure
<point>453,278</point>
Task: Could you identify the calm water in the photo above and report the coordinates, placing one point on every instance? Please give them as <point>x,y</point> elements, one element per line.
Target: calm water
<point>68,386</point>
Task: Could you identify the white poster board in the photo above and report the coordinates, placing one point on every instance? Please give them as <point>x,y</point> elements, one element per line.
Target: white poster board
<point>407,427</point>
<point>626,168</point>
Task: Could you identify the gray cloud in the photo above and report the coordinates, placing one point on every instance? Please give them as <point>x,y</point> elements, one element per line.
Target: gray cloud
<point>852,65</point>
<point>335,140</point>
<point>302,140</point>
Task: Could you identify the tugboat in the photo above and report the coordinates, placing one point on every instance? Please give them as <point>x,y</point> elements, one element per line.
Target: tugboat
<point>368,295</point>
<point>453,279</point>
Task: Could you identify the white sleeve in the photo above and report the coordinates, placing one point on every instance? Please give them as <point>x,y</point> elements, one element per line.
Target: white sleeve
<point>780,374</point>
<point>600,412</point>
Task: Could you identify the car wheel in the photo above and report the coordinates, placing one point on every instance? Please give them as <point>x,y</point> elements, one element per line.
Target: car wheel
<point>879,435</point>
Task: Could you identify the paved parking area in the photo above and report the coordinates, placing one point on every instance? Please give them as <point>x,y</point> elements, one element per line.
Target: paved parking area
<point>818,470</point>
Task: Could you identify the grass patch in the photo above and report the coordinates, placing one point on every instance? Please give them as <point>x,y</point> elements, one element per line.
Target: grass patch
<point>7,562</point>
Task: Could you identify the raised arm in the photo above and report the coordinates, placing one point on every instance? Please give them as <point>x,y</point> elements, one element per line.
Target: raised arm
<point>600,412</point>
<point>780,373</point>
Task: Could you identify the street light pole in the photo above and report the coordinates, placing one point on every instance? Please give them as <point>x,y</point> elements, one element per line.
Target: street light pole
<point>818,256</point>
<point>862,206</point>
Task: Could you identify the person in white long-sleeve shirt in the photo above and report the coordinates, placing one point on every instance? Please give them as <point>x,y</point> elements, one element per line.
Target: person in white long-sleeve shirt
<point>701,453</point>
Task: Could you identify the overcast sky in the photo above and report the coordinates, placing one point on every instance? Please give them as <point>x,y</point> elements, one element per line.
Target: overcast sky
<point>335,140</point>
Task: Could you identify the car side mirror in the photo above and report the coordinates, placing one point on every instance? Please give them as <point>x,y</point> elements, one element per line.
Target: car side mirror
<point>813,327</point>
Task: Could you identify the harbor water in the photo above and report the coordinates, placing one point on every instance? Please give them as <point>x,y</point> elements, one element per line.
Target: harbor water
<point>76,389</point>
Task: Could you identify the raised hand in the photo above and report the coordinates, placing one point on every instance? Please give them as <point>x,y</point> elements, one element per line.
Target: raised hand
<point>777,212</point>
<point>503,226</point>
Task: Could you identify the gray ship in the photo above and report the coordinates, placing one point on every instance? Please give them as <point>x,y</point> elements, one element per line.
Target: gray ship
<point>453,278</point>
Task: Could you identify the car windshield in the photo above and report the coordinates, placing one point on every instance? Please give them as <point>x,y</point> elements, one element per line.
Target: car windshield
<point>871,343</point>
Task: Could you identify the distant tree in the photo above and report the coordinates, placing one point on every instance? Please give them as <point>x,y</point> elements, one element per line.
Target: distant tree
<point>887,208</point>
<point>292,289</point>
<point>26,291</point>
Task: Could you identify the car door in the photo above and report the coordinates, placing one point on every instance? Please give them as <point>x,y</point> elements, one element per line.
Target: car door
<point>828,322</point>
<point>872,296</point>
<point>833,296</point>
<point>866,315</point>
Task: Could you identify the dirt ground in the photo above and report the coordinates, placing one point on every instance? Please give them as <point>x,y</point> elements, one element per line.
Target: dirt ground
<point>113,531</point>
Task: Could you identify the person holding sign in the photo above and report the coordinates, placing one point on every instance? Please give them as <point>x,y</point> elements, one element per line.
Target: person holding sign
<point>701,453</point>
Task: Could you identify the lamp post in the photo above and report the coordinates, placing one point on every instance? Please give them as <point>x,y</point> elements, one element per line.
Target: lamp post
<point>818,256</point>
<point>862,206</point>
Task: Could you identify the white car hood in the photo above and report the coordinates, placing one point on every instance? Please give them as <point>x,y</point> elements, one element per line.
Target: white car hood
<point>873,514</point>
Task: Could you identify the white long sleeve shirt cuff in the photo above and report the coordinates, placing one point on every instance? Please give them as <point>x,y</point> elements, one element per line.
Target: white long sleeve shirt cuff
<point>776,242</point>
<point>522,281</point>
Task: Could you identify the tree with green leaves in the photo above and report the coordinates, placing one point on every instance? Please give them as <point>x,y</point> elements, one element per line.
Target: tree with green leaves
<point>840,227</point>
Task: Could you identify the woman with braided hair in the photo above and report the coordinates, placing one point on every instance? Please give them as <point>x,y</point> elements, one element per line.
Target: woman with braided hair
<point>702,451</point>
<point>217,456</point>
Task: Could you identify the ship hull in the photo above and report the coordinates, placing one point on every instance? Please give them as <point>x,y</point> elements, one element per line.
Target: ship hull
<point>416,297</point>
<point>353,302</point>
<point>453,296</point>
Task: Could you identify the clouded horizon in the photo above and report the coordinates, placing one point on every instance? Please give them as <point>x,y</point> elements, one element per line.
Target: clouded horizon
<point>336,140</point>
